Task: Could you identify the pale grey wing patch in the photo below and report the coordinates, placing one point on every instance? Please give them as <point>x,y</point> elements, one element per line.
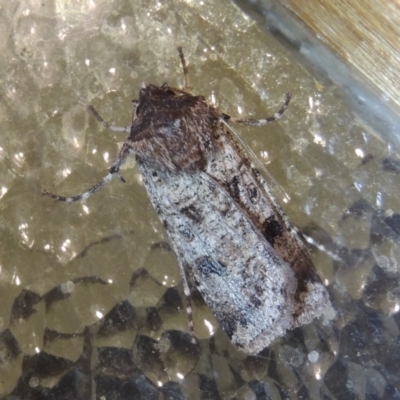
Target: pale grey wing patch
<point>244,184</point>
<point>231,168</point>
<point>249,288</point>
<point>229,310</point>
<point>248,189</point>
<point>253,193</point>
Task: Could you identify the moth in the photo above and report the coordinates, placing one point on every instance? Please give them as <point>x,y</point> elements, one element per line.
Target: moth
<point>232,241</point>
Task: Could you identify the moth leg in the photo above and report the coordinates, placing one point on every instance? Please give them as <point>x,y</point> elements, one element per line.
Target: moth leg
<point>186,292</point>
<point>264,121</point>
<point>187,87</point>
<point>189,312</point>
<point>113,171</point>
<point>106,124</point>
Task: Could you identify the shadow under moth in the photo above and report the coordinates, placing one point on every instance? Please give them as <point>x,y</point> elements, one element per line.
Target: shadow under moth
<point>232,241</point>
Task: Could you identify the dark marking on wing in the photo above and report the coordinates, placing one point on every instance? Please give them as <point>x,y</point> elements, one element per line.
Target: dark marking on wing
<point>255,301</point>
<point>229,322</point>
<point>192,213</point>
<point>207,266</point>
<point>253,194</point>
<point>234,188</point>
<point>271,229</point>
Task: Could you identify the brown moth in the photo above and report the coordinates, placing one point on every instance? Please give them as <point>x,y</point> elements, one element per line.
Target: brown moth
<point>232,241</point>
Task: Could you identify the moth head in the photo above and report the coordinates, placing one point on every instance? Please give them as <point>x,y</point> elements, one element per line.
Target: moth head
<point>153,90</point>
<point>149,93</point>
<point>172,129</point>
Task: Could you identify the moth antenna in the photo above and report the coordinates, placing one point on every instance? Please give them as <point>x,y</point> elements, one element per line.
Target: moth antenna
<point>90,109</point>
<point>187,87</point>
<point>113,171</point>
<point>264,121</point>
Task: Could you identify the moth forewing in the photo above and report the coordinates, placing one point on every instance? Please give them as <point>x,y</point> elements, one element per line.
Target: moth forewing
<point>247,285</point>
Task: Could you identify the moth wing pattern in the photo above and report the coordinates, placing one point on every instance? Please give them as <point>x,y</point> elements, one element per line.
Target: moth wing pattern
<point>231,239</point>
<point>232,169</point>
<point>214,220</point>
<point>248,287</point>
